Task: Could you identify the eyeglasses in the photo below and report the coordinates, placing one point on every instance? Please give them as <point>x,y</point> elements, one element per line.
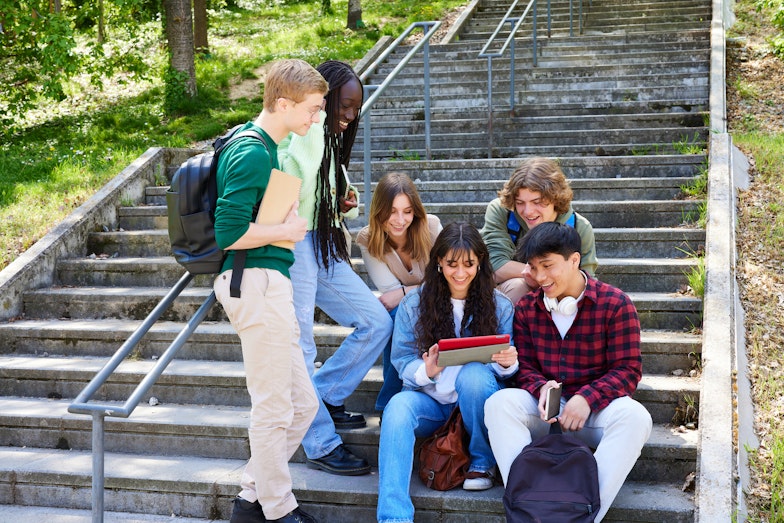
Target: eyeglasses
<point>313,111</point>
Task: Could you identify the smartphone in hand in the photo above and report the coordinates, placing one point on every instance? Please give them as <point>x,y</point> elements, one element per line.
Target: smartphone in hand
<point>552,402</point>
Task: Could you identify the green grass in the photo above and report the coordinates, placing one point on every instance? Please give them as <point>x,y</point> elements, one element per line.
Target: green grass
<point>760,234</point>
<point>69,150</point>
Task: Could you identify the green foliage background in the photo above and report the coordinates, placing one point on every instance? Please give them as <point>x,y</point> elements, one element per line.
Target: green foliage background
<point>74,113</point>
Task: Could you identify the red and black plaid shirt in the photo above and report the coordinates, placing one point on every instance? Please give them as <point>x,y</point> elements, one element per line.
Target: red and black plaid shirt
<point>599,358</point>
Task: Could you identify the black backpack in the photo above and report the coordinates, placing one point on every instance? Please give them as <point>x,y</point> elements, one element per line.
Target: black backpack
<point>191,201</point>
<point>553,480</point>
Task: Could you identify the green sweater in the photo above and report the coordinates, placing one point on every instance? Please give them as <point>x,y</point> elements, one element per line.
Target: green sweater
<point>502,249</point>
<point>301,156</point>
<point>243,172</point>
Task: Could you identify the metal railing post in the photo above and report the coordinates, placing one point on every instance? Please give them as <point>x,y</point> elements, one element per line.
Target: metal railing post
<point>571,31</point>
<point>512,65</point>
<point>536,60</point>
<point>489,106</point>
<point>98,466</point>
<point>426,58</point>
<point>366,117</point>
<point>429,29</point>
<point>549,20</point>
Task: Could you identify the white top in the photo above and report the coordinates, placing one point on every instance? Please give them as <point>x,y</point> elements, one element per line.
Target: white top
<point>442,387</point>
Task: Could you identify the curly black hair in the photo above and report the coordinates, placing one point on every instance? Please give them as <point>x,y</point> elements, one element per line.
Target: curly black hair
<point>436,318</point>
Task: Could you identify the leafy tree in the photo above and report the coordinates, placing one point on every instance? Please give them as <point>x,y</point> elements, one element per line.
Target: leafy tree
<point>42,47</point>
<point>36,54</point>
<point>776,8</point>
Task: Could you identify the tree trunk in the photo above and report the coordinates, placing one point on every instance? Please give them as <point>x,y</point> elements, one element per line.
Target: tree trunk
<point>179,34</point>
<point>200,24</point>
<point>354,14</point>
<point>101,30</point>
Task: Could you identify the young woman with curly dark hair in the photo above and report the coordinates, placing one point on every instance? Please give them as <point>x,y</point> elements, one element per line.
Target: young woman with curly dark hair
<point>457,299</point>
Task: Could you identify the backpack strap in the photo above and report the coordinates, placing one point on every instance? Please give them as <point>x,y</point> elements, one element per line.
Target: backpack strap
<point>513,227</point>
<point>240,255</point>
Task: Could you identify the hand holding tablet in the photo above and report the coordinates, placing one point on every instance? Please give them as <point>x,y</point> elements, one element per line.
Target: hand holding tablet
<point>459,351</point>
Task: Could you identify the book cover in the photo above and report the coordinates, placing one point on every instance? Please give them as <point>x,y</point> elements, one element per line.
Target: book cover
<point>282,191</point>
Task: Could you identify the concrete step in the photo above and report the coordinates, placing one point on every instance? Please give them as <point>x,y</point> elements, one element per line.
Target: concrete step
<point>663,352</point>
<point>478,190</point>
<point>13,513</point>
<point>477,98</point>
<point>669,311</point>
<point>631,213</point>
<point>689,123</point>
<point>668,242</point>
<point>564,69</point>
<point>222,432</point>
<point>629,274</point>
<point>201,382</point>
<point>574,167</point>
<point>640,140</point>
<point>204,487</point>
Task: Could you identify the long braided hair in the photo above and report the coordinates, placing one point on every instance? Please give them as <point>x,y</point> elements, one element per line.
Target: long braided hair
<point>329,239</point>
<point>436,318</point>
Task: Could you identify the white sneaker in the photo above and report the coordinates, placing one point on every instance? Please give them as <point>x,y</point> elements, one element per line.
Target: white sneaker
<point>478,481</point>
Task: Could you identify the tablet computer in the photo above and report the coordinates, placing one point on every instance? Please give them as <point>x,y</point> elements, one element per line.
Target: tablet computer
<point>459,351</point>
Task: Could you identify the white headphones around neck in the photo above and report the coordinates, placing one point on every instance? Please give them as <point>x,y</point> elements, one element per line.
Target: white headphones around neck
<point>566,306</point>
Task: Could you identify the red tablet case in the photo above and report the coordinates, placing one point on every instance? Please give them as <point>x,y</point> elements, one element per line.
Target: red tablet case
<point>472,341</point>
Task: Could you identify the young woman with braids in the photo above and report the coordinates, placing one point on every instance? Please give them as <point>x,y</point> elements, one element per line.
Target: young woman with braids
<point>457,298</point>
<point>322,275</point>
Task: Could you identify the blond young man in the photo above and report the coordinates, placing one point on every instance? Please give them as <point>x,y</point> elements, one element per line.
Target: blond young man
<point>283,402</point>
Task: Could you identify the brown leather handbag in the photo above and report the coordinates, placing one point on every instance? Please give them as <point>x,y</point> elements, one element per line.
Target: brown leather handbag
<point>443,457</point>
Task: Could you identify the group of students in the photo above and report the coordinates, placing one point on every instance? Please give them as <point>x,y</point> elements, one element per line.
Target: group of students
<point>528,273</point>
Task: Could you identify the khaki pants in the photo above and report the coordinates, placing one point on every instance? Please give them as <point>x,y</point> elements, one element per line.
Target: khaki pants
<point>283,402</point>
<point>514,289</point>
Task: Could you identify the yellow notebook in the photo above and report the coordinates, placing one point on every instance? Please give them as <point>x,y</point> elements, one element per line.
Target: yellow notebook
<point>282,191</point>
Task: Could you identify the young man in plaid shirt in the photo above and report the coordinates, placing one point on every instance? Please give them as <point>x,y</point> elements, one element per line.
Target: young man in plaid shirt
<point>584,336</point>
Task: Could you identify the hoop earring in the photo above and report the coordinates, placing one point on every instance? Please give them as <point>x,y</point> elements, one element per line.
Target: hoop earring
<point>438,268</point>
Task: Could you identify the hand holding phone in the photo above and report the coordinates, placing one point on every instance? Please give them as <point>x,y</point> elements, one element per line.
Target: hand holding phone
<point>552,402</point>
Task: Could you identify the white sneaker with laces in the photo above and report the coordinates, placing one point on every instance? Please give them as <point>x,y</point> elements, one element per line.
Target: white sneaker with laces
<point>478,481</point>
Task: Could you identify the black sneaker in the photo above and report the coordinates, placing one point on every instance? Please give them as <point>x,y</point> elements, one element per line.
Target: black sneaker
<point>345,420</point>
<point>296,516</point>
<point>341,462</point>
<point>247,512</point>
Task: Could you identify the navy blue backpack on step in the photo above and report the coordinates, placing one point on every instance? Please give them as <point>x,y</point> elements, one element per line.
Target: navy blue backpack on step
<point>553,480</point>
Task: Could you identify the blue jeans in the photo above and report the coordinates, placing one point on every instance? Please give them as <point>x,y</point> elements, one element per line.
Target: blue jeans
<point>392,382</point>
<point>411,414</point>
<point>342,295</point>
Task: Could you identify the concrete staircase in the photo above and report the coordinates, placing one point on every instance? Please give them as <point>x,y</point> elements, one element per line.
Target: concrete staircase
<point>622,107</point>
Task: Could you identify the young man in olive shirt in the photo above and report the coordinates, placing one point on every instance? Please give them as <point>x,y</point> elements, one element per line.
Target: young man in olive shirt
<point>283,402</point>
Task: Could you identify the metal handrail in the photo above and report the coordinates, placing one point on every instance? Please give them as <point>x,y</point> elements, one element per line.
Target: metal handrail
<point>372,92</point>
<point>99,411</point>
<point>516,23</point>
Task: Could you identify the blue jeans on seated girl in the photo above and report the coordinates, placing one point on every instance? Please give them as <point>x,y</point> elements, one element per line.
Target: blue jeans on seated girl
<point>411,414</point>
<point>392,382</point>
